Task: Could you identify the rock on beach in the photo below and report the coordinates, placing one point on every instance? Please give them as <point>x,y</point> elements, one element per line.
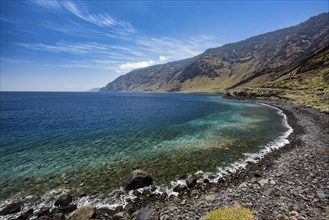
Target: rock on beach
<point>137,179</point>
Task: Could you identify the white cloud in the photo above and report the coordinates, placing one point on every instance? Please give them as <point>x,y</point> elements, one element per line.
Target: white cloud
<point>49,4</point>
<point>101,20</point>
<point>86,48</point>
<point>129,48</point>
<point>163,58</point>
<point>130,66</point>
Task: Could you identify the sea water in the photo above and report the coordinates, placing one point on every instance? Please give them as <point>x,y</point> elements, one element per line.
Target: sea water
<point>89,142</point>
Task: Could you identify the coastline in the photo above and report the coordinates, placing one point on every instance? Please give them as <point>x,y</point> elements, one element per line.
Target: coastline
<point>237,187</point>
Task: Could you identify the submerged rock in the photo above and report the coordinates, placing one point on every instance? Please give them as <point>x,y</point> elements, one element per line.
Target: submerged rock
<point>83,213</point>
<point>64,200</point>
<point>11,208</point>
<point>137,179</point>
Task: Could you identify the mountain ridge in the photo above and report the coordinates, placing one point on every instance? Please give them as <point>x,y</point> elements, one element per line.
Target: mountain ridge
<point>221,69</point>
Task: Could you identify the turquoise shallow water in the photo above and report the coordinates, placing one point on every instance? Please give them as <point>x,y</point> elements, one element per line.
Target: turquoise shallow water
<point>91,141</point>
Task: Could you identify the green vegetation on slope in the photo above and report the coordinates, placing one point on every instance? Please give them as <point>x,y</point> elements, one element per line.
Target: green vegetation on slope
<point>285,64</point>
<point>303,81</point>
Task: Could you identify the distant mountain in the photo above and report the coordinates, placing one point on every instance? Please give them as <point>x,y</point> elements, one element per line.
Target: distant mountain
<point>94,90</point>
<point>228,67</point>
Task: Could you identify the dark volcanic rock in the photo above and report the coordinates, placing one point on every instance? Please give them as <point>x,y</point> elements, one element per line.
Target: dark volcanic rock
<point>43,211</point>
<point>83,213</point>
<point>191,182</point>
<point>179,188</point>
<point>257,174</point>
<point>137,179</point>
<point>26,215</point>
<point>68,208</point>
<point>147,214</point>
<point>63,200</point>
<point>11,208</point>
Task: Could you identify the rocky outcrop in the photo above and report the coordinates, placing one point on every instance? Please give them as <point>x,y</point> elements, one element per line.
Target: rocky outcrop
<point>11,208</point>
<point>64,200</point>
<point>137,179</point>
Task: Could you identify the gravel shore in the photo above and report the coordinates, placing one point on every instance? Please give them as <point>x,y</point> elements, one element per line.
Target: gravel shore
<point>291,183</point>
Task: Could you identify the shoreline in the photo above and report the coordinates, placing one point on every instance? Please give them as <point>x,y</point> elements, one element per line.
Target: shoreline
<point>161,203</point>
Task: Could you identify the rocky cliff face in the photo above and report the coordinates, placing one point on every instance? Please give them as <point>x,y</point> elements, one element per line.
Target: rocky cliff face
<point>305,81</point>
<point>230,66</point>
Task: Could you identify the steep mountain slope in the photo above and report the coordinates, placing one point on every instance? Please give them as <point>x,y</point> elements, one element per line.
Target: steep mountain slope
<point>154,78</point>
<point>302,81</point>
<point>220,68</point>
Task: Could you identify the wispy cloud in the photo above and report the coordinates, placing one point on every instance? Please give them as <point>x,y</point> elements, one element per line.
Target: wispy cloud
<point>87,48</point>
<point>101,19</point>
<point>3,19</point>
<point>122,49</point>
<point>51,4</point>
<point>18,61</point>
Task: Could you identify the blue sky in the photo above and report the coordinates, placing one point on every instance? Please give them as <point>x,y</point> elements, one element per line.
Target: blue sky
<point>78,45</point>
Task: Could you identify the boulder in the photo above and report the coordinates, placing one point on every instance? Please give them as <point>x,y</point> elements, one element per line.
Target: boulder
<point>137,179</point>
<point>179,188</point>
<point>121,216</point>
<point>191,182</point>
<point>43,211</point>
<point>68,208</point>
<point>64,200</point>
<point>147,214</point>
<point>27,215</point>
<point>58,216</point>
<point>83,213</point>
<point>11,208</point>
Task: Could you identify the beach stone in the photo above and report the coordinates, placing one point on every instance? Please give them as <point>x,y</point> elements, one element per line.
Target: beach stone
<point>147,214</point>
<point>137,179</point>
<point>69,208</point>
<point>172,208</point>
<point>43,211</point>
<point>63,200</point>
<point>121,216</point>
<point>83,213</point>
<point>26,215</point>
<point>194,192</point>
<point>179,188</point>
<point>211,197</point>
<point>206,181</point>
<point>11,208</point>
<point>262,182</point>
<point>322,195</point>
<point>191,182</point>
<point>59,216</point>
<point>268,191</point>
<point>258,174</point>
<point>106,212</point>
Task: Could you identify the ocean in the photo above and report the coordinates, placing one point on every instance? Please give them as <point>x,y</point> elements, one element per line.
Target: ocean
<point>89,142</point>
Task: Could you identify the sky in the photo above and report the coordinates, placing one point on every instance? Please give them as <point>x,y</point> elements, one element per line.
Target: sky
<point>49,45</point>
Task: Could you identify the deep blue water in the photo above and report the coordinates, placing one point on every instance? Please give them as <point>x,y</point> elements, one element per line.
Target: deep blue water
<point>70,137</point>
